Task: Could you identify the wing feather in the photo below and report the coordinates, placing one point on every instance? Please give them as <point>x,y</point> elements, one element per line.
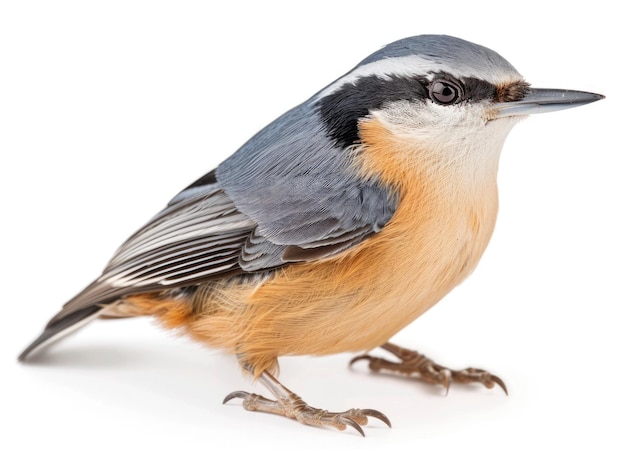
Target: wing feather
<point>290,194</point>
<point>190,241</point>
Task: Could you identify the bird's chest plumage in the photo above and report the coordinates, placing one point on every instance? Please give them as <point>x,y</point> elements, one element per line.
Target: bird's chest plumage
<point>443,223</point>
<point>360,298</point>
<point>433,242</point>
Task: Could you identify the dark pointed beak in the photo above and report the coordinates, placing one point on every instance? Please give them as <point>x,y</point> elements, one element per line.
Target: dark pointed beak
<point>543,100</point>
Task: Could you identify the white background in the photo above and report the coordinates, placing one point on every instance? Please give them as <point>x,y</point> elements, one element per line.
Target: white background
<point>107,109</point>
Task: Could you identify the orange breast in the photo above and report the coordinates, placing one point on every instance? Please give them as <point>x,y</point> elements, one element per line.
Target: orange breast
<point>359,299</point>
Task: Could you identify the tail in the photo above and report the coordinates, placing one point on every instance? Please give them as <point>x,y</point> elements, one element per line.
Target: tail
<point>173,307</point>
<point>59,328</point>
<point>95,300</point>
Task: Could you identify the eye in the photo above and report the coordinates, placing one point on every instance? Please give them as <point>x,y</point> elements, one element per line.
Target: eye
<point>444,92</point>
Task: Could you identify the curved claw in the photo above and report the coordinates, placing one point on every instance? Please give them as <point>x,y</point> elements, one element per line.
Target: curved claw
<point>352,423</point>
<point>234,394</point>
<point>500,383</point>
<point>359,358</point>
<point>377,415</point>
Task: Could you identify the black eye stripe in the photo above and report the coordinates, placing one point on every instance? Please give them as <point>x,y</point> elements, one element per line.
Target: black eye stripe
<point>341,110</point>
<point>477,89</point>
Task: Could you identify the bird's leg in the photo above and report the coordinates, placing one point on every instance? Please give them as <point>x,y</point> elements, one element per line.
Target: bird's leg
<point>413,363</point>
<point>291,405</point>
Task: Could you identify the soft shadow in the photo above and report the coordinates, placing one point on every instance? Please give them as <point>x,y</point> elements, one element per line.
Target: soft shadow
<point>171,379</point>
<point>91,356</point>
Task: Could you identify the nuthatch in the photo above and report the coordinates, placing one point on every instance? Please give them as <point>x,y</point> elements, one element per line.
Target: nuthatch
<point>336,225</point>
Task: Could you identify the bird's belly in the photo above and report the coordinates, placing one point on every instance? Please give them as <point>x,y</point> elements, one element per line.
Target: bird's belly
<point>354,301</point>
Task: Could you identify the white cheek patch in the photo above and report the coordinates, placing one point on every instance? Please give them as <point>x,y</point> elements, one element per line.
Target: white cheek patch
<point>460,137</point>
<point>427,120</point>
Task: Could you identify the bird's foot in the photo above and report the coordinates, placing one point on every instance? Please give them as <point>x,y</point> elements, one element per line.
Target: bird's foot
<point>413,363</point>
<point>291,405</point>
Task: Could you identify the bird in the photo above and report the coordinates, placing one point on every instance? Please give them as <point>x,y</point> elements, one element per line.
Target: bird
<point>335,226</point>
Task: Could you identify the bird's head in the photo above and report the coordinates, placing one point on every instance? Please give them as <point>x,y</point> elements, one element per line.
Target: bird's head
<point>451,96</point>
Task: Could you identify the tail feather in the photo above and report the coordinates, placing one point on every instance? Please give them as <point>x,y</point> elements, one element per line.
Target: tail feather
<point>56,330</point>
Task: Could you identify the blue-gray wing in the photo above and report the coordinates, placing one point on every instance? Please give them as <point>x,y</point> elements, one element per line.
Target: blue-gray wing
<point>303,191</point>
<point>290,194</point>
